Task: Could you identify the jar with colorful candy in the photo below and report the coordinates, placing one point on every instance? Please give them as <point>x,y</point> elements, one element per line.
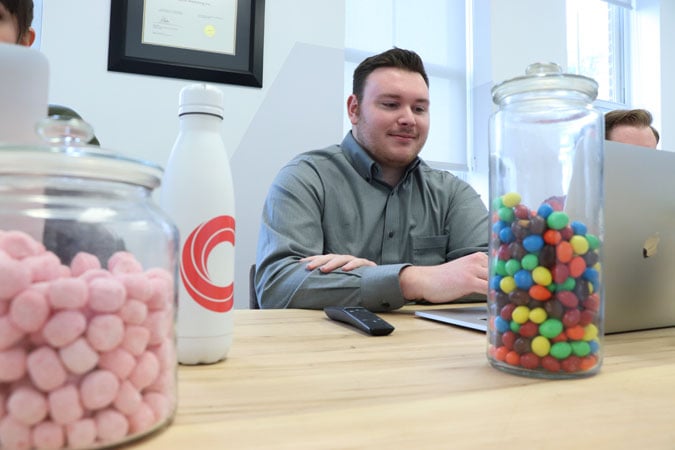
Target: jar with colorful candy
<point>87,297</point>
<point>545,299</point>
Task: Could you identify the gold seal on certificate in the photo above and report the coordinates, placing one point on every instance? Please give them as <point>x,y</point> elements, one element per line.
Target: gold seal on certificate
<point>202,25</point>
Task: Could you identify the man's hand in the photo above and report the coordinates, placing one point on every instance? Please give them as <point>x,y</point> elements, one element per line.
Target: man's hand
<point>331,262</point>
<point>446,282</point>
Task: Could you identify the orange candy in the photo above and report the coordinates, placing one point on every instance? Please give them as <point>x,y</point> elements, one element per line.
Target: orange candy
<point>552,237</point>
<point>576,266</point>
<point>540,293</point>
<point>575,333</point>
<point>512,358</point>
<point>588,362</point>
<point>564,252</point>
<point>500,353</point>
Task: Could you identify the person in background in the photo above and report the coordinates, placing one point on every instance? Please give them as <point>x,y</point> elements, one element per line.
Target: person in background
<point>64,237</point>
<point>631,126</point>
<point>367,222</point>
<point>16,17</point>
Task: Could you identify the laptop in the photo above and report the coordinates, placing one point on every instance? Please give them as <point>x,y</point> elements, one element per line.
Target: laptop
<point>24,86</point>
<point>639,244</point>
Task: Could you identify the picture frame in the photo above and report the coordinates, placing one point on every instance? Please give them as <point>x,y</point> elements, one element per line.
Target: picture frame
<point>164,38</point>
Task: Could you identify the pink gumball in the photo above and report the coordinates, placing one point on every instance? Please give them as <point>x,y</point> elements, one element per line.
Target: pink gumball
<point>29,310</point>
<point>118,361</point>
<point>65,406</point>
<point>45,368</point>
<point>19,244</point>
<point>48,435</point>
<point>105,332</point>
<point>78,357</point>
<point>12,364</point>
<point>27,405</point>
<point>136,339</point>
<point>14,435</point>
<point>128,398</point>
<point>14,277</point>
<point>68,293</point>
<point>64,327</point>
<point>106,295</point>
<point>81,434</point>
<point>98,389</point>
<point>82,262</point>
<point>10,333</point>
<point>112,426</point>
<point>146,371</point>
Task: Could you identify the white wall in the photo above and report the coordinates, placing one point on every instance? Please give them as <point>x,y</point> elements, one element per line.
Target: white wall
<point>301,103</point>
<point>299,107</point>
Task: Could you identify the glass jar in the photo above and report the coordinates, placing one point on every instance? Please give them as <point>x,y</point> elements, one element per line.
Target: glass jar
<point>87,298</point>
<point>545,301</point>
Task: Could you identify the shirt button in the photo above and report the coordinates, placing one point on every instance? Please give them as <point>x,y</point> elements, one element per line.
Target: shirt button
<point>391,234</point>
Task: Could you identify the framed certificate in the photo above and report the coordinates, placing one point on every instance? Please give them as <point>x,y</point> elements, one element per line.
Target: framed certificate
<point>218,41</point>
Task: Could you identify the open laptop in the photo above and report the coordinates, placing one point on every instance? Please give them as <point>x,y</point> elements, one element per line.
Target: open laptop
<point>24,86</point>
<point>639,244</point>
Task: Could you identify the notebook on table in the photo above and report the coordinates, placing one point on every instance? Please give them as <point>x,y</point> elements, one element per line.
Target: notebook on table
<point>639,244</point>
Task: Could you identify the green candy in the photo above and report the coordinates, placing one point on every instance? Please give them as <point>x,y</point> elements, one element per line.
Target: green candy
<point>561,350</point>
<point>557,220</point>
<point>550,328</point>
<point>529,262</point>
<point>497,203</point>
<point>506,214</point>
<point>580,348</point>
<point>567,285</point>
<point>500,268</point>
<point>512,266</point>
<point>593,241</point>
<point>515,326</point>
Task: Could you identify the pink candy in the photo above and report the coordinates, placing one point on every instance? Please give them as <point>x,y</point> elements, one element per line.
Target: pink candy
<point>87,355</point>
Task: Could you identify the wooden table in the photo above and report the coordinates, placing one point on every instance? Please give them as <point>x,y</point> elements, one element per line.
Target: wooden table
<point>296,380</point>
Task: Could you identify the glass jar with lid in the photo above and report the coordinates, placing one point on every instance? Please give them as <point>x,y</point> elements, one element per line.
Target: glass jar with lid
<point>545,301</point>
<point>87,295</point>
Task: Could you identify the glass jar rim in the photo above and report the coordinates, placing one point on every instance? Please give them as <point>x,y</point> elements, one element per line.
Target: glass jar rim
<point>545,77</point>
<point>79,162</point>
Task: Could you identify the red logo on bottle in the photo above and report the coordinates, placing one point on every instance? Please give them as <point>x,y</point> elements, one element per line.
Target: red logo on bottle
<point>194,258</point>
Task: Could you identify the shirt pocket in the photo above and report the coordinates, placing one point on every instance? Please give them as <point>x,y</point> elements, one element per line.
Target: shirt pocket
<point>429,250</point>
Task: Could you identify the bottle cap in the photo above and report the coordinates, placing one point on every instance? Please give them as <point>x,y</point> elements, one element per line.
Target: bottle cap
<point>201,98</point>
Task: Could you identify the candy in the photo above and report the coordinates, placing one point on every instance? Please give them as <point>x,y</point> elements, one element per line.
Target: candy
<point>87,356</point>
<point>27,405</point>
<point>65,406</point>
<point>81,434</point>
<point>64,327</point>
<point>48,435</point>
<point>545,280</point>
<point>29,310</point>
<point>105,332</point>
<point>98,389</point>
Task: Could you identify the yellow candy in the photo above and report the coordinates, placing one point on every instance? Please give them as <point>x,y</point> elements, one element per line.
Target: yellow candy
<point>542,276</point>
<point>540,346</point>
<point>511,199</point>
<point>520,314</point>
<point>579,244</point>
<point>590,332</point>
<point>538,315</point>
<point>507,284</point>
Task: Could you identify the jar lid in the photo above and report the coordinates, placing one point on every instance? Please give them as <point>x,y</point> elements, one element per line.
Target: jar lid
<point>545,77</point>
<point>66,155</point>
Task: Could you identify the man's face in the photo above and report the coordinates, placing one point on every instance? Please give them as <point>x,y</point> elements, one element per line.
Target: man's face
<point>392,120</point>
<point>629,134</point>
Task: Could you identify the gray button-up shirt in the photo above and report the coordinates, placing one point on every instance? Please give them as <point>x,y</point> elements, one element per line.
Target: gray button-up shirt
<point>333,201</point>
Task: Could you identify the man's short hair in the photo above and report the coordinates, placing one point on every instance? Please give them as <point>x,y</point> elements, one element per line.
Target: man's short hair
<point>396,57</point>
<point>640,118</point>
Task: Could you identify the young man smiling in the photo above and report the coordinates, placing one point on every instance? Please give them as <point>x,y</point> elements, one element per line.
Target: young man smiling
<point>367,222</point>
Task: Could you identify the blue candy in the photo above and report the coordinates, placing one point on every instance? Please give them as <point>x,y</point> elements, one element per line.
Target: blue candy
<point>533,243</point>
<point>523,279</point>
<point>544,210</point>
<point>579,228</point>
<point>501,325</point>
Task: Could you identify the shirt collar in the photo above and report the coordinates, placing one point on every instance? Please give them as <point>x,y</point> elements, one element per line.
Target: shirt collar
<point>363,163</point>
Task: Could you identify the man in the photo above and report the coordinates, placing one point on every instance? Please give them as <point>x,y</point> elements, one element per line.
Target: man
<point>631,126</point>
<point>367,222</point>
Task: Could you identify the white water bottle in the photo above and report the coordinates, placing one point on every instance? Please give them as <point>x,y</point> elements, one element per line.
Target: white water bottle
<point>197,193</point>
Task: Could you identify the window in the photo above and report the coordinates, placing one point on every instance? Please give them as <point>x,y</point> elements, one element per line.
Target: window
<point>597,47</point>
<point>437,31</point>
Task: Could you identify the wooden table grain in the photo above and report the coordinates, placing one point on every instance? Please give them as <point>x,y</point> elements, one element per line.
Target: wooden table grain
<point>296,380</point>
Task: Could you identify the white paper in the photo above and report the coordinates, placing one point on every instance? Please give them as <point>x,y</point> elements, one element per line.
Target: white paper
<point>203,25</point>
